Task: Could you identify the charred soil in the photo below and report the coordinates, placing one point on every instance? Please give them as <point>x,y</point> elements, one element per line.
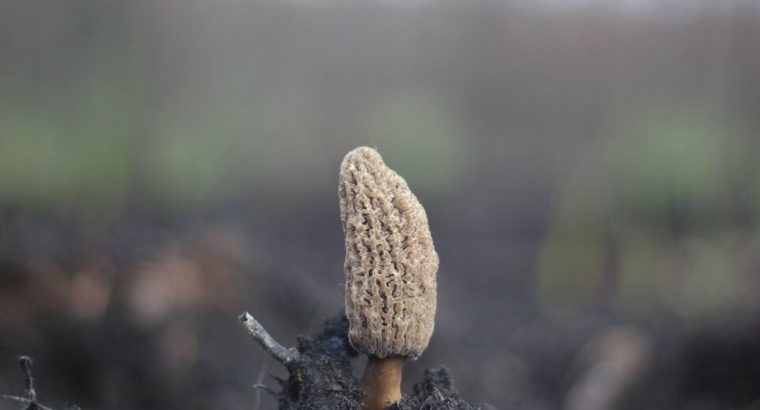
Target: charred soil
<point>322,378</point>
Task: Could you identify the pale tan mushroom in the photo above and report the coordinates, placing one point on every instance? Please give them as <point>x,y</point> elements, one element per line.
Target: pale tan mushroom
<point>390,268</point>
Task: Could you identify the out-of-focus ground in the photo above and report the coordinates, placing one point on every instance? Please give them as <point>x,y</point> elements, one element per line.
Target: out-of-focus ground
<point>590,171</point>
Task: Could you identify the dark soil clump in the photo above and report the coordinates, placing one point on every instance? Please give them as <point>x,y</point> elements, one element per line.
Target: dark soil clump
<point>435,392</point>
<point>322,378</point>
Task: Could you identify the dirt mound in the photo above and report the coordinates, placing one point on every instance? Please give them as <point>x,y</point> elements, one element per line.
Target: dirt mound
<point>322,379</point>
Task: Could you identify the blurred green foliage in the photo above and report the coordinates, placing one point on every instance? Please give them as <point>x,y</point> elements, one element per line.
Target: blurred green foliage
<point>92,152</point>
<point>423,139</point>
<point>204,156</point>
<point>642,217</point>
<point>674,161</point>
<point>69,155</point>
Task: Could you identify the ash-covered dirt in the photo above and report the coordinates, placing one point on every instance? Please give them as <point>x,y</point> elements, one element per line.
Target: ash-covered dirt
<point>322,378</point>
<point>74,299</point>
<point>435,391</point>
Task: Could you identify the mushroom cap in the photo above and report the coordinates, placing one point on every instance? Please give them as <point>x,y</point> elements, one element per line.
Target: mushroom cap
<point>390,263</point>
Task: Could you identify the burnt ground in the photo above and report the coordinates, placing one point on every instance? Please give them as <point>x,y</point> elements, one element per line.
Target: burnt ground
<point>143,316</point>
<point>322,378</point>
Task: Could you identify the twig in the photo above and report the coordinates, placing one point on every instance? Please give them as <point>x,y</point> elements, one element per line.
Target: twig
<point>283,354</point>
<point>30,401</point>
<point>28,404</point>
<point>26,367</point>
<point>259,382</point>
<point>265,388</point>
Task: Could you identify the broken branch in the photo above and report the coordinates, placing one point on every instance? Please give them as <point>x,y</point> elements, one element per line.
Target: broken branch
<point>283,354</point>
<point>30,401</point>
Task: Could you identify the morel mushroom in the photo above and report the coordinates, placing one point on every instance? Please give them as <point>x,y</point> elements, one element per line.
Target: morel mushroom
<point>390,271</point>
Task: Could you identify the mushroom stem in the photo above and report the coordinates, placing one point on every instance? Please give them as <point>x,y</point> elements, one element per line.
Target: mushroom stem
<point>382,380</point>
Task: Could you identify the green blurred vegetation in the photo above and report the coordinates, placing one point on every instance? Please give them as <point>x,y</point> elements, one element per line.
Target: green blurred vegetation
<point>87,154</point>
<point>676,160</point>
<point>72,154</point>
<point>646,217</point>
<point>632,145</point>
<point>423,138</point>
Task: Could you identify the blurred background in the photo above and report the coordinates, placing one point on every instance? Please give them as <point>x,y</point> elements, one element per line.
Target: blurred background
<point>590,170</point>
